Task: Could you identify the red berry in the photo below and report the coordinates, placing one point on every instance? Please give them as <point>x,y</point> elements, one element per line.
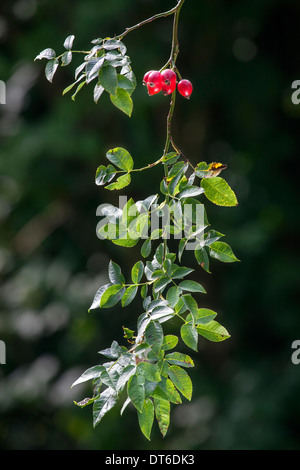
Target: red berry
<point>168,76</point>
<point>185,88</point>
<point>153,90</point>
<point>168,81</point>
<point>168,89</point>
<point>146,77</point>
<point>154,82</point>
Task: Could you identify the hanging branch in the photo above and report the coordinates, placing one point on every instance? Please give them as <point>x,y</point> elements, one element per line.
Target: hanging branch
<point>151,375</point>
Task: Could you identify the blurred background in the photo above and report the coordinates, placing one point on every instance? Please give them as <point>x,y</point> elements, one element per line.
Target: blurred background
<point>242,58</point>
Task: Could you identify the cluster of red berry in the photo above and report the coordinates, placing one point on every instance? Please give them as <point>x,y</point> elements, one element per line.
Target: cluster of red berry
<point>165,81</point>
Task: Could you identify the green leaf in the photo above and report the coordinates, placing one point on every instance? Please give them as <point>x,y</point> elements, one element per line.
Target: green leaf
<point>205,315</point>
<point>91,373</point>
<point>130,212</point>
<point>149,371</point>
<point>159,253</point>
<point>115,273</point>
<point>173,295</point>
<point>66,58</point>
<point>149,388</point>
<point>202,170</point>
<point>98,295</point>
<point>98,90</point>
<point>92,69</point>
<point>126,84</point>
<point>181,247</point>
<point>190,191</point>
<point>111,231</point>
<point>128,334</point>
<point>166,389</point>
<point>121,183</point>
<point>139,226</point>
<point>110,378</point>
<point>169,342</point>
<point>114,352</point>
<point>154,336</point>
<point>181,272</point>
<point>156,234</point>
<point>163,187</point>
<point>103,404</point>
<point>126,241</point>
<point>181,380</point>
<point>68,44</point>
<point>146,248</point>
<point>192,286</point>
<point>144,291</point>
<point>85,402</point>
<point>125,375</point>
<point>212,236</point>
<point>104,174</point>
<point>121,158</point>
<point>46,54</point>
<point>111,44</point>
<point>222,252</point>
<point>122,100</point>
<point>202,258</point>
<point>179,359</point>
<point>162,313</point>
<point>191,304</point>
<point>218,191</point>
<point>180,307</point>
<point>129,295</point>
<point>146,418</point>
<point>170,158</point>
<point>125,404</point>
<point>173,185</point>
<point>108,79</point>
<point>178,168</point>
<point>77,90</point>
<point>97,41</point>
<point>213,331</point>
<point>162,413</point>
<point>189,335</point>
<point>112,295</point>
<point>137,272</point>
<point>161,283</point>
<point>136,392</point>
<point>79,69</point>
<point>68,88</point>
<point>50,69</point>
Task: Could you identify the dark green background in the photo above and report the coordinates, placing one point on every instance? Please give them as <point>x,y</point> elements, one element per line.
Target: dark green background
<point>242,58</point>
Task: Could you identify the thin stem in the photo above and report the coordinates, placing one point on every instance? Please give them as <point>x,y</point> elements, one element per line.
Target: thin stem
<point>167,145</point>
<point>175,42</point>
<point>140,284</point>
<point>73,52</point>
<point>180,152</point>
<point>169,124</point>
<point>149,20</point>
<point>172,60</point>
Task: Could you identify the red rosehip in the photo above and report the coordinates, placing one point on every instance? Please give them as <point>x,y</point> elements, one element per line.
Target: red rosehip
<point>153,90</point>
<point>154,82</point>
<point>185,88</point>
<point>146,77</point>
<point>168,81</point>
